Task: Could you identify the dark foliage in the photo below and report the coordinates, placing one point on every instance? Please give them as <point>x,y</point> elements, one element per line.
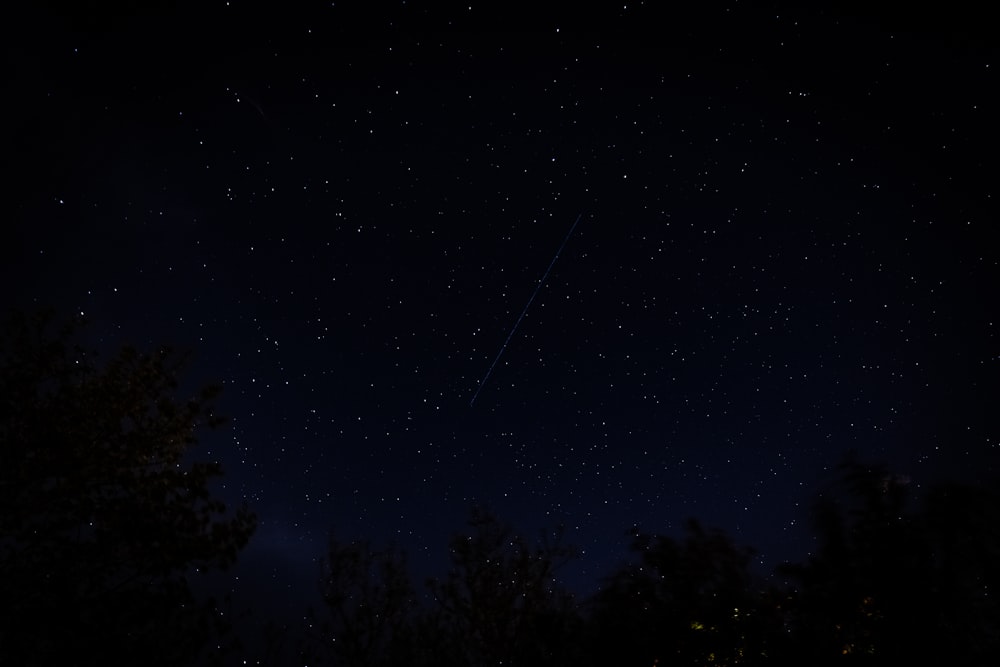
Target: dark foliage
<point>498,604</point>
<point>685,602</point>
<point>888,585</point>
<point>891,585</point>
<point>103,514</point>
<point>370,605</point>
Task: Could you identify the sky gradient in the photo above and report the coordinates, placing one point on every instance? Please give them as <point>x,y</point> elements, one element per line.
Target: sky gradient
<point>786,249</point>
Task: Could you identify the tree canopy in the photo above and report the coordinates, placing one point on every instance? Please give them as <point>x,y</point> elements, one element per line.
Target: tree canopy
<point>499,603</point>
<point>105,514</point>
<point>888,584</point>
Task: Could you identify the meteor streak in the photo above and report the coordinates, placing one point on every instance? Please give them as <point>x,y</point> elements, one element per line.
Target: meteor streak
<point>521,316</point>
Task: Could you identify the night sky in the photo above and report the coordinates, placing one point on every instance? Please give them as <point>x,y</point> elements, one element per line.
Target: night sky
<point>785,249</point>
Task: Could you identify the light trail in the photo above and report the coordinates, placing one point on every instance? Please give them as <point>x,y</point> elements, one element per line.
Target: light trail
<point>523,312</point>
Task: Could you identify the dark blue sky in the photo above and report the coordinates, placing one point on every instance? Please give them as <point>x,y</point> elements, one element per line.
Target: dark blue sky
<point>787,250</point>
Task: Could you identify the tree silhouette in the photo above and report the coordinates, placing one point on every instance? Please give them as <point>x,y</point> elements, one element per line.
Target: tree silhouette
<point>861,569</point>
<point>891,585</point>
<point>371,607</point>
<point>963,527</point>
<point>500,602</point>
<point>887,585</point>
<point>684,602</point>
<point>103,513</point>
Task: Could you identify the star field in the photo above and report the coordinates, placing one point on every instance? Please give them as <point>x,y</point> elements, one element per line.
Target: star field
<point>786,251</point>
